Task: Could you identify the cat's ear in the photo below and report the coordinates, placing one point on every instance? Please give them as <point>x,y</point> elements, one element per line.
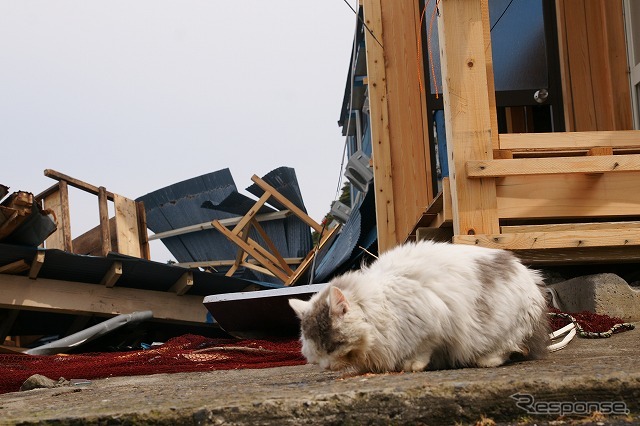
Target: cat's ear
<point>338,301</point>
<point>300,307</point>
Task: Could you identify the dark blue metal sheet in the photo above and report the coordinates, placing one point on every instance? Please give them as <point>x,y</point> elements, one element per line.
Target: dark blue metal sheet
<point>214,196</point>
<point>360,230</point>
<point>237,204</point>
<point>284,180</point>
<point>180,205</point>
<point>136,273</point>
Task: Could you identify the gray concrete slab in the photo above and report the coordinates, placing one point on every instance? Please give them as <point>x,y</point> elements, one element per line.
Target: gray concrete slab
<point>606,294</point>
<point>600,371</point>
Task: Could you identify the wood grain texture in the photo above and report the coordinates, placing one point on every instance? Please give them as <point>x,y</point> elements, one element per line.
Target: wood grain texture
<point>568,196</point>
<point>468,122</point>
<point>380,133</point>
<point>570,140</point>
<point>554,165</point>
<point>558,239</point>
<point>127,226</point>
<point>92,299</point>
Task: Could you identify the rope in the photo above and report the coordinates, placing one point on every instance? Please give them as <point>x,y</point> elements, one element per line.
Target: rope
<point>590,334</point>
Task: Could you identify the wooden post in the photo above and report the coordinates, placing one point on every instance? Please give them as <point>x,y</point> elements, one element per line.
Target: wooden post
<point>127,226</point>
<point>467,111</point>
<point>65,218</point>
<point>399,120</point>
<point>105,232</point>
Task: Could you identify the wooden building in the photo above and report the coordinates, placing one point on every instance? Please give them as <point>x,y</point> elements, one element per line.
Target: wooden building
<point>539,118</point>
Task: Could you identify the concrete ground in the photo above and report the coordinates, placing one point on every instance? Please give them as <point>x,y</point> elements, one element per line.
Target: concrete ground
<point>602,372</point>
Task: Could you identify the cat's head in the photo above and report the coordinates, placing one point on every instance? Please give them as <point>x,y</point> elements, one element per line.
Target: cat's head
<point>334,334</point>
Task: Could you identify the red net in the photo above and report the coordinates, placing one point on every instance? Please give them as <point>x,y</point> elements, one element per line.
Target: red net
<point>589,322</point>
<point>181,354</point>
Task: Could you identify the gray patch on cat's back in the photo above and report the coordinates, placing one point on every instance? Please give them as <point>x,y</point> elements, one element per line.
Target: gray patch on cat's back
<point>317,327</point>
<point>500,268</point>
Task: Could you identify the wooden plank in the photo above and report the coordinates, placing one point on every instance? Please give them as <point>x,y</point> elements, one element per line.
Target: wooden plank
<point>599,64</point>
<point>577,256</point>
<point>246,219</point>
<point>288,204</point>
<point>217,263</point>
<point>502,154</point>
<point>409,121</point>
<point>491,86</point>
<point>444,216</point>
<point>7,319</point>
<point>560,239</point>
<point>570,140</point>
<point>113,275</point>
<point>568,196</point>
<point>253,252</point>
<point>69,297</point>
<point>241,255</point>
<point>600,150</point>
<point>380,133</point>
<point>272,248</point>
<point>90,243</point>
<point>257,268</point>
<point>553,165</point>
<point>14,267</point>
<point>127,226</point>
<point>232,221</point>
<point>619,89</point>
<point>12,219</point>
<point>145,250</point>
<point>36,264</point>
<point>466,105</point>
<point>76,183</point>
<point>184,284</point>
<point>306,263</point>
<point>443,235</point>
<point>560,227</point>
<point>51,202</point>
<point>565,72</point>
<point>65,217</point>
<point>105,232</point>
<point>274,258</point>
<point>577,32</point>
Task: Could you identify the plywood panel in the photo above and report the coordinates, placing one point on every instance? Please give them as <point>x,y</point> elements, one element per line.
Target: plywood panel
<point>127,226</point>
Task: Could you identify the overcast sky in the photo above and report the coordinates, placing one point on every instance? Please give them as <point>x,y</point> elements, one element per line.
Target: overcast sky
<point>135,95</point>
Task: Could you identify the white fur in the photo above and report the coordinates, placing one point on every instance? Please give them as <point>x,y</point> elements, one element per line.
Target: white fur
<point>425,304</point>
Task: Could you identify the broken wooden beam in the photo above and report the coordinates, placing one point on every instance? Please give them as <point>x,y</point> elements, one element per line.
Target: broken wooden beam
<point>226,222</point>
<point>183,285</point>
<point>36,264</point>
<point>113,274</point>
<point>14,267</point>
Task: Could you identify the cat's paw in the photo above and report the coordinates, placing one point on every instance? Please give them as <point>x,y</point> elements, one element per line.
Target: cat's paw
<point>492,360</point>
<point>415,365</point>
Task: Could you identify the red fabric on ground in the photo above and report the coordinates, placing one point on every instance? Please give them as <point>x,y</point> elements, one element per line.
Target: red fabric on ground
<point>589,321</point>
<point>193,353</point>
<point>181,354</point>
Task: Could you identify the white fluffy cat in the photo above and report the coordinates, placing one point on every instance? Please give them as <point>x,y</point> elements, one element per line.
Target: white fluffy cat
<point>425,305</point>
